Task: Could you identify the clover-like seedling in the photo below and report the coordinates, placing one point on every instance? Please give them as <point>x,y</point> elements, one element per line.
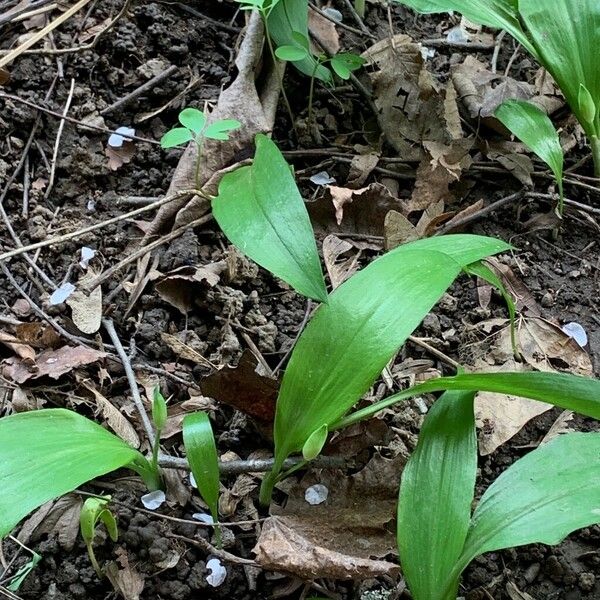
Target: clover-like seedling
<point>94,511</point>
<point>195,129</point>
<point>342,64</point>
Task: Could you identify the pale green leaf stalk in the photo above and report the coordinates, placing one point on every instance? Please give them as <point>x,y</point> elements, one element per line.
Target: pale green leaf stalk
<point>201,450</point>
<point>94,511</point>
<point>535,129</point>
<point>159,418</point>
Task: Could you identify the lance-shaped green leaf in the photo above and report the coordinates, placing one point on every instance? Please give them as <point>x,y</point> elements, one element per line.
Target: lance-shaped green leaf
<point>436,492</point>
<point>350,340</point>
<point>202,456</point>
<point>565,34</point>
<point>570,392</point>
<point>261,211</point>
<point>535,129</point>
<point>287,18</point>
<point>500,14</point>
<point>47,453</point>
<point>541,498</point>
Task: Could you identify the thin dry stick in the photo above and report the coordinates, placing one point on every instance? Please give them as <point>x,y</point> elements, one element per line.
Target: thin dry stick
<point>77,122</point>
<point>61,239</point>
<point>210,549</point>
<point>61,126</point>
<point>34,39</point>
<point>357,18</point>
<point>133,386</point>
<point>89,288</point>
<point>437,353</point>
<point>342,25</point>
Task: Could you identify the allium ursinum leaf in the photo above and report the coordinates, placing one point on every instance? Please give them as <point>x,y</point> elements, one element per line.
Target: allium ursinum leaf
<point>436,493</point>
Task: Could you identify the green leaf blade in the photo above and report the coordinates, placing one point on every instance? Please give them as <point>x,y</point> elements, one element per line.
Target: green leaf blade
<point>436,492</point>
<point>176,137</point>
<point>535,129</point>
<point>202,456</point>
<point>260,210</point>
<point>193,119</point>
<point>219,130</point>
<point>542,497</point>
<point>290,53</point>
<point>349,341</point>
<point>47,453</point>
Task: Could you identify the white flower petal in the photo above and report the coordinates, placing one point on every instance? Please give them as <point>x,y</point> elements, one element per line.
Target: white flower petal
<point>577,332</point>
<point>218,572</point>
<point>61,294</point>
<point>316,494</point>
<point>154,500</point>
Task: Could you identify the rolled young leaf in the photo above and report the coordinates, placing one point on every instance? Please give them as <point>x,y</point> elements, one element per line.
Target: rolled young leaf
<point>47,453</point>
<point>349,341</point>
<point>436,492</point>
<point>535,129</point>
<point>261,211</point>
<point>541,498</point>
<point>201,450</point>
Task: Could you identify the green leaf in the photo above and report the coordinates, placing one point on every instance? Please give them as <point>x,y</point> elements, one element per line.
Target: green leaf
<point>290,53</point>
<point>219,130</point>
<point>436,492</point>
<point>19,577</point>
<point>541,498</point>
<point>47,453</point>
<point>565,34</point>
<point>315,442</point>
<point>202,456</point>
<point>287,19</point>
<point>349,341</point>
<point>96,510</point>
<point>587,106</point>
<point>193,119</point>
<point>159,409</point>
<point>570,392</point>
<point>535,129</point>
<point>343,64</point>
<point>500,14</point>
<point>260,210</point>
<point>176,137</point>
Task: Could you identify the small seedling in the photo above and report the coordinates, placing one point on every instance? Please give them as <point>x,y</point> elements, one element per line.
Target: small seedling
<point>15,582</point>
<point>343,64</point>
<point>195,129</point>
<point>159,418</point>
<point>95,511</point>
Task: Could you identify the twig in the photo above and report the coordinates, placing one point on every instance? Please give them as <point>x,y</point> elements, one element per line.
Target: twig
<point>90,287</point>
<point>437,353</point>
<point>210,549</point>
<point>14,13</point>
<point>61,126</point>
<point>573,203</point>
<point>358,18</point>
<point>366,32</point>
<point>25,209</point>
<point>60,239</point>
<point>193,11</point>
<point>133,386</point>
<point>257,465</point>
<point>444,43</point>
<point>77,122</point>
<point>140,90</point>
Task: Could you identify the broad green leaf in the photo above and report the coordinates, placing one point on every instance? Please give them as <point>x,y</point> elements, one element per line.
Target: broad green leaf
<point>47,453</point>
<point>436,492</point>
<point>176,137</point>
<point>96,510</point>
<point>290,53</point>
<point>349,341</point>
<point>541,498</point>
<point>566,35</point>
<point>219,130</point>
<point>570,392</point>
<point>285,19</point>
<point>260,210</point>
<point>500,14</point>
<point>343,64</point>
<point>202,456</point>
<point>159,409</point>
<point>535,129</point>
<point>193,119</point>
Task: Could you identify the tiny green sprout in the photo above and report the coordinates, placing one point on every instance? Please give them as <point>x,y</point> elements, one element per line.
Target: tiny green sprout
<point>195,129</point>
<point>94,511</point>
<point>587,106</point>
<point>15,582</point>
<point>159,416</point>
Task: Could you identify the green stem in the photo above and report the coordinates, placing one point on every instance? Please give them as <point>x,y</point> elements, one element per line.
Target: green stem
<point>268,483</point>
<point>92,555</point>
<point>155,450</point>
<point>265,19</point>
<point>311,92</point>
<point>198,158</point>
<point>359,7</point>
<point>150,474</point>
<point>595,143</point>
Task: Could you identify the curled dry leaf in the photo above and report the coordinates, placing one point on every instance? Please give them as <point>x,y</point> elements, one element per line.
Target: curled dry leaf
<point>345,537</point>
<point>126,580</point>
<point>361,167</point>
<point>324,30</point>
<point>51,363</point>
<point>338,267</point>
<point>185,351</point>
<point>38,335</point>
<point>244,388</point>
<point>121,155</point>
<point>23,351</point>
<point>4,76</point>
<point>86,310</point>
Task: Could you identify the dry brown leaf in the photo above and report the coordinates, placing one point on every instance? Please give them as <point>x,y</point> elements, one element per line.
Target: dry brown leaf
<point>230,498</point>
<point>4,76</point>
<point>117,157</point>
<point>324,31</point>
<point>351,441</point>
<point>243,388</point>
<point>515,593</point>
<point>463,214</point>
<point>397,230</point>
<point>185,351</point>
<point>21,308</point>
<point>343,538</point>
<point>361,167</point>
<point>177,489</point>
<point>126,580</point>
<point>23,351</point>
<point>177,412</point>
<point>563,424</point>
<point>51,363</point>
<point>338,267</point>
<point>86,310</point>
<point>182,285</point>
<point>38,335</point>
